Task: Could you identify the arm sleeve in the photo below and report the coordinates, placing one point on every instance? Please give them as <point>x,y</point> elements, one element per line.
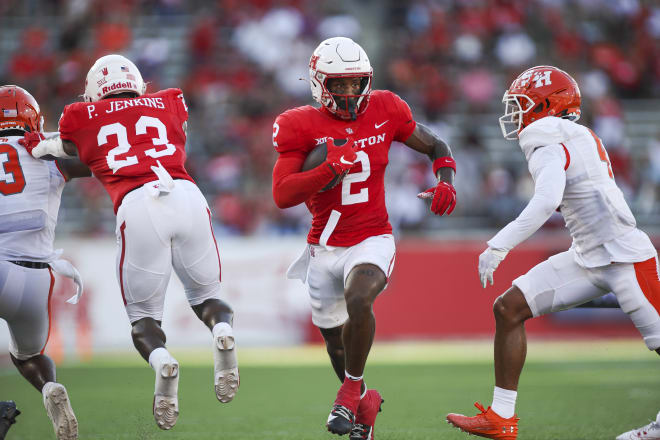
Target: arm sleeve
<point>292,187</point>
<point>547,167</point>
<point>403,118</point>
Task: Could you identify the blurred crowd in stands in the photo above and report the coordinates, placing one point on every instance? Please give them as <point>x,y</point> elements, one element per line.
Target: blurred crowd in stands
<point>242,62</point>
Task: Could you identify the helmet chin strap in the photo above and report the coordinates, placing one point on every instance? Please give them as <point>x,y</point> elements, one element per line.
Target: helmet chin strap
<point>351,108</point>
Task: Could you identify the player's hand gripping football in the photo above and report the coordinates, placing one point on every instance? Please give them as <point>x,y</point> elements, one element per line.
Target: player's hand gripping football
<point>31,140</point>
<point>488,262</point>
<point>444,198</point>
<point>341,159</point>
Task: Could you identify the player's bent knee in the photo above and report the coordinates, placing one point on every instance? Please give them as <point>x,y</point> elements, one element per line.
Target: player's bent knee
<point>511,307</point>
<point>144,327</point>
<point>358,303</point>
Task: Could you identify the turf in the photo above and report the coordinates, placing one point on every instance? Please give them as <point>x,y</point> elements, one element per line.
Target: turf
<point>558,400</point>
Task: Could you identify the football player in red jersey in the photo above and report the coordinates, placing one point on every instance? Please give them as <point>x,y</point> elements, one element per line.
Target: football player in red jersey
<point>350,250</point>
<point>134,143</point>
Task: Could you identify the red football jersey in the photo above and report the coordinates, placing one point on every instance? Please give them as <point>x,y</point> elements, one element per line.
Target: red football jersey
<point>354,209</point>
<point>120,139</point>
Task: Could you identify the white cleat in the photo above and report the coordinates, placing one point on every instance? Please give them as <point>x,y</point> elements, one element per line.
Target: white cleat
<point>166,402</point>
<point>226,377</point>
<point>648,432</point>
<point>58,407</point>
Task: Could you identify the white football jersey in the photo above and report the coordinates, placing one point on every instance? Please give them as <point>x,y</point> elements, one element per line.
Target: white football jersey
<point>596,214</point>
<point>30,193</point>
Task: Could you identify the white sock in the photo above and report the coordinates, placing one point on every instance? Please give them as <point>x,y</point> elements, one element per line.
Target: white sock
<point>355,378</point>
<point>46,386</point>
<point>157,356</point>
<point>504,402</point>
<point>365,391</point>
<point>222,329</point>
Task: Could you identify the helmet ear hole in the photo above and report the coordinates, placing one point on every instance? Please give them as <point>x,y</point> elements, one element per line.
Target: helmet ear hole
<point>538,108</point>
<point>364,82</point>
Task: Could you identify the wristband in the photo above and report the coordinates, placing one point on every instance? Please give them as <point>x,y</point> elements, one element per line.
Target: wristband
<point>444,162</point>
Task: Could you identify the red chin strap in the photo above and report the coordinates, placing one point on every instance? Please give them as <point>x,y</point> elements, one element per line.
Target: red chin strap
<point>444,162</point>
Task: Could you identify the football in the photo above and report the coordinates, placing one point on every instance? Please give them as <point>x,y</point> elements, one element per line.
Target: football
<point>317,156</point>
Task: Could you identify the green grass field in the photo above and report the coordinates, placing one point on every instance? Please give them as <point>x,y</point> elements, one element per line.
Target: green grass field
<point>568,391</point>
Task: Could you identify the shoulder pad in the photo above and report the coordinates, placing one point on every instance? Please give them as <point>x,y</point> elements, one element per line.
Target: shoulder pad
<point>67,122</point>
<point>545,131</point>
<point>172,91</point>
<point>290,130</point>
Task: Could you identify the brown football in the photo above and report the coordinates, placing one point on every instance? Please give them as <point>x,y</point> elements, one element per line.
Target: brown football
<point>317,156</point>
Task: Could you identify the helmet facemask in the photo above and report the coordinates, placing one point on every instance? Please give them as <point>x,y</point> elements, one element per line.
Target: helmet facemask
<point>347,106</point>
<point>511,121</point>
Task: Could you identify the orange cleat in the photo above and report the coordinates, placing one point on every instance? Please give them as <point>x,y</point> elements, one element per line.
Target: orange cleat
<point>487,424</point>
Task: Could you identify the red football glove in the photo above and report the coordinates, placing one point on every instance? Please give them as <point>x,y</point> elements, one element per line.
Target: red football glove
<point>31,140</point>
<point>444,198</point>
<point>341,159</point>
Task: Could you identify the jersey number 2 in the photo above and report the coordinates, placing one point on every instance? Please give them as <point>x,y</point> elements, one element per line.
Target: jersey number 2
<point>12,180</point>
<point>123,146</point>
<point>363,195</point>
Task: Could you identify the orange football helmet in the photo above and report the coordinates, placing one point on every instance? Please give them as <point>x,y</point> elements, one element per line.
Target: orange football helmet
<point>539,92</point>
<point>20,110</point>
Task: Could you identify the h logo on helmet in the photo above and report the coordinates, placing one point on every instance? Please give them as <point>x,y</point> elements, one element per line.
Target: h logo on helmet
<point>313,61</point>
<point>542,78</point>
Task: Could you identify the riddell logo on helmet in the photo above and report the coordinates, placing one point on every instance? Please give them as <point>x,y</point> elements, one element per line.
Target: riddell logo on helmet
<point>119,85</point>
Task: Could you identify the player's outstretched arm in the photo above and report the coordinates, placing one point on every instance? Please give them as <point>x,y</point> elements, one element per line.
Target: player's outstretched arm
<point>547,168</point>
<point>443,194</point>
<point>48,147</point>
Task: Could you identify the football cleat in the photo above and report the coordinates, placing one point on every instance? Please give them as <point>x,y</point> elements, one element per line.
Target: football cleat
<point>166,401</point>
<point>340,420</point>
<point>58,407</point>
<point>368,409</point>
<point>486,424</point>
<point>342,416</point>
<point>647,432</point>
<point>8,413</point>
<point>226,377</point>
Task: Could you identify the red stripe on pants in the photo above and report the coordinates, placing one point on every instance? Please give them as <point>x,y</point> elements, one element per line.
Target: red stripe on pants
<point>389,269</point>
<point>50,316</point>
<point>216,244</point>
<point>121,261</point>
<point>647,278</point>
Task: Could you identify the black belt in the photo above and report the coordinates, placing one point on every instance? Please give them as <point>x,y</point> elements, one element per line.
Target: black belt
<point>30,264</point>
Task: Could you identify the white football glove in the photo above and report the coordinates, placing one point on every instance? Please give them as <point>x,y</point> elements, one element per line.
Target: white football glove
<point>488,262</point>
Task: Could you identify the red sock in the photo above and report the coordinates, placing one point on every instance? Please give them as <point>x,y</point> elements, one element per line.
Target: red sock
<point>353,386</point>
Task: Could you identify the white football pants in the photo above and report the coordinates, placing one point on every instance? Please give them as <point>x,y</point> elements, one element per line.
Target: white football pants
<point>25,305</point>
<point>158,232</point>
<point>559,283</point>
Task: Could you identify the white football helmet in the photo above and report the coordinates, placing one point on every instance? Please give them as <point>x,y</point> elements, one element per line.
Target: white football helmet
<point>340,57</point>
<point>112,74</point>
